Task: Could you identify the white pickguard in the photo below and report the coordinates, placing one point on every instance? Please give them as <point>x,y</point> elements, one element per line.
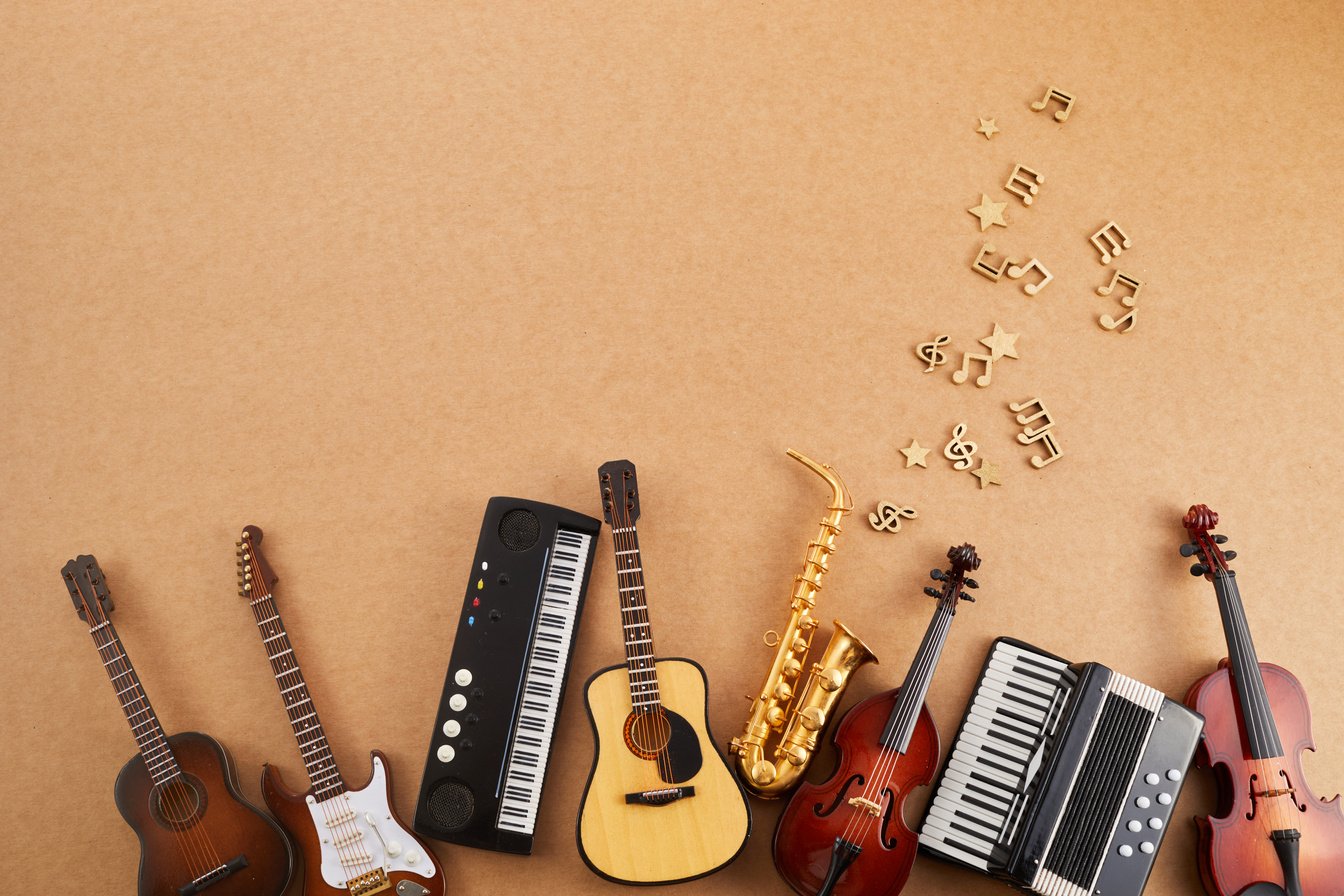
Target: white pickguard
<point>359,840</point>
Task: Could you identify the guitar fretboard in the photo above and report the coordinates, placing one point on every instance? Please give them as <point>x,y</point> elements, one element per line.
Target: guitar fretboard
<point>638,634</point>
<point>318,760</point>
<point>145,727</point>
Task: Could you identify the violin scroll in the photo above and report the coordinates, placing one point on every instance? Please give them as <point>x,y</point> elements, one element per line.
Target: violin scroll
<point>1200,521</point>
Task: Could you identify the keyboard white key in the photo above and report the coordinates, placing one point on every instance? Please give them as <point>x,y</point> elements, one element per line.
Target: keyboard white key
<point>542,682</point>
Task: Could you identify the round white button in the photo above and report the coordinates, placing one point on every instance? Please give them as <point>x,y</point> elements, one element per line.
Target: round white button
<point>1142,802</point>
<point>412,857</point>
<point>1155,824</point>
<point>1147,848</point>
<point>1135,827</point>
<point>1152,779</point>
<point>457,702</point>
<point>452,728</point>
<point>1126,850</point>
<point>462,677</point>
<point>1173,774</point>
<point>394,849</point>
<point>1164,799</point>
<point>446,754</point>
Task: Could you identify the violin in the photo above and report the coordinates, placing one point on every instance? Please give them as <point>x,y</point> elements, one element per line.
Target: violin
<point>847,836</point>
<point>1270,834</point>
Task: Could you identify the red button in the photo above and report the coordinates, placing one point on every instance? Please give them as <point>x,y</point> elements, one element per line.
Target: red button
<point>475,601</point>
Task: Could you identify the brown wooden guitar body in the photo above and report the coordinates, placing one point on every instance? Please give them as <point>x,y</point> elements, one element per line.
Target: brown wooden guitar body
<point>1234,847</point>
<point>819,813</point>
<point>292,810</point>
<point>212,807</point>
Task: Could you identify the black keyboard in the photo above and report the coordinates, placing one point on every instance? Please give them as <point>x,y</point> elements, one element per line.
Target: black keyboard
<point>1062,777</point>
<point>506,678</point>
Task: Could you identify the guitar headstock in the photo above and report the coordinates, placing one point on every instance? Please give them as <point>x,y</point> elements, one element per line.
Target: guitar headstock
<point>620,497</point>
<point>1200,521</point>
<point>964,559</point>
<point>255,576</point>
<point>88,589</point>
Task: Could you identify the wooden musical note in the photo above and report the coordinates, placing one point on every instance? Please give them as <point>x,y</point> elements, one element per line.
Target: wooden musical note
<point>1017,272</point>
<point>1024,183</point>
<point>1047,436</point>
<point>982,381</point>
<point>1024,419</point>
<point>1109,323</point>
<point>1123,279</point>
<point>1059,96</point>
<point>959,450</point>
<point>1113,246</point>
<point>984,268</point>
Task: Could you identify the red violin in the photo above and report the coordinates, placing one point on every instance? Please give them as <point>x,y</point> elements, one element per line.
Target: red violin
<point>1271,835</point>
<point>847,836</point>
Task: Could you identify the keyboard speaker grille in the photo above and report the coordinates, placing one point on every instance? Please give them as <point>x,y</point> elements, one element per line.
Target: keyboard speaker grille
<point>519,529</point>
<point>452,804</point>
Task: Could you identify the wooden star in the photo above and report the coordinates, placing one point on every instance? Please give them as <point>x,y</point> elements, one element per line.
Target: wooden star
<point>987,128</point>
<point>988,474</point>
<point>989,213</point>
<point>1000,344</point>
<point>915,455</point>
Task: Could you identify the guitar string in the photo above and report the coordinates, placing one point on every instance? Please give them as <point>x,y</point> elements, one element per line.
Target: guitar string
<point>629,538</point>
<point>264,602</point>
<point>188,846</point>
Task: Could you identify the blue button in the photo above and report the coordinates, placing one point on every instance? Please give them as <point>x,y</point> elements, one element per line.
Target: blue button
<point>471,620</point>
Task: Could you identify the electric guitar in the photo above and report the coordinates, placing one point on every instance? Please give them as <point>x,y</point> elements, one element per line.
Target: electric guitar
<point>352,840</point>
<point>661,805</point>
<point>180,794</point>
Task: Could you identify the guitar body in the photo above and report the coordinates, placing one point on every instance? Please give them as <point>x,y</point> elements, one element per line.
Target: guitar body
<point>207,803</point>
<point>407,866</point>
<point>819,813</point>
<point>1234,851</point>
<point>676,841</point>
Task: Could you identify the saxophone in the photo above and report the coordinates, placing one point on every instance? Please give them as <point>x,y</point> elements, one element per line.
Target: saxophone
<point>799,725</point>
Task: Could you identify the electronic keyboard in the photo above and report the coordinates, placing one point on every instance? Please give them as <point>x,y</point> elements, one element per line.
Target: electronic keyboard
<point>506,678</point>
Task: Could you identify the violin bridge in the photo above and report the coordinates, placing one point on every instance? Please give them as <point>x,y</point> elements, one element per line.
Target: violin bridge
<point>868,806</point>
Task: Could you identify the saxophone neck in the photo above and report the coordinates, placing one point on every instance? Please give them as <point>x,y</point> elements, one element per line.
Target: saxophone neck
<point>841,501</point>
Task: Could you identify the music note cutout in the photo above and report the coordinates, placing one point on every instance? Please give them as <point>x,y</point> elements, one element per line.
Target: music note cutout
<point>959,451</point>
<point>984,268</point>
<point>1024,184</point>
<point>1048,437</point>
<point>1024,419</point>
<point>1059,96</point>
<point>1116,241</point>
<point>1017,272</point>
<point>982,381</point>
<point>1134,284</point>
<point>888,516</point>
<point>928,352</point>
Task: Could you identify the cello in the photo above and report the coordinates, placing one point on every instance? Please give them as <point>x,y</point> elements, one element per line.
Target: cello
<point>1270,834</point>
<point>847,836</point>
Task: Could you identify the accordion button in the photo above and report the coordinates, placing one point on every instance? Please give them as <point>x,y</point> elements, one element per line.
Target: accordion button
<point>1173,774</point>
<point>1164,799</point>
<point>1126,850</point>
<point>1135,826</point>
<point>1142,802</point>
<point>1155,824</point>
<point>1152,779</point>
<point>1147,848</point>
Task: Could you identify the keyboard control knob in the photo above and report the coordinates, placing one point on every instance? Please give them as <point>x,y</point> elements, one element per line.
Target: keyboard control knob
<point>477,694</point>
<point>472,718</point>
<point>1152,779</point>
<point>1173,774</point>
<point>1126,850</point>
<point>452,728</point>
<point>462,677</point>
<point>446,754</point>
<point>457,702</point>
<point>1164,799</point>
<point>465,744</point>
<point>1142,802</point>
<point>1147,848</point>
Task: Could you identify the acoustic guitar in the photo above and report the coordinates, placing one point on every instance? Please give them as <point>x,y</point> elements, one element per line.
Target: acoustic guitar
<point>180,794</point>
<point>661,805</point>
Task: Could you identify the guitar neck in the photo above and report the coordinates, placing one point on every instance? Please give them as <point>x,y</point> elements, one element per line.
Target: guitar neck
<point>1262,734</point>
<point>313,747</point>
<point>901,723</point>
<point>144,722</point>
<point>640,659</point>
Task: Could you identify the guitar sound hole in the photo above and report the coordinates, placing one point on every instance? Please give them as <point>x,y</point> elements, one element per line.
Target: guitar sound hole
<point>178,804</point>
<point>647,734</point>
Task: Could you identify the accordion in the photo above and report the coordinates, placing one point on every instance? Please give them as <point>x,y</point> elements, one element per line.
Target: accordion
<point>1062,777</point>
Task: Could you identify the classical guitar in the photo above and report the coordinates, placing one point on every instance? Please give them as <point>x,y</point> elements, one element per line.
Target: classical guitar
<point>848,834</point>
<point>1270,834</point>
<point>180,794</point>
<point>352,840</point>
<point>661,805</point>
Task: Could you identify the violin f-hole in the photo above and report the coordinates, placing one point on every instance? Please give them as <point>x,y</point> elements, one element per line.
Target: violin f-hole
<point>1255,805</point>
<point>1291,791</point>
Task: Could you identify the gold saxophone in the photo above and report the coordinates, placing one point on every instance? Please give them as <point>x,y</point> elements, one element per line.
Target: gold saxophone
<point>774,712</point>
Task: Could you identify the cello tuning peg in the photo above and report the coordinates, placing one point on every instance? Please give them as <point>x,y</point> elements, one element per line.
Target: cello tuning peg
<point>1229,555</point>
<point>1199,569</point>
<point>1220,539</point>
<point>937,575</point>
<point>970,583</point>
<point>933,592</point>
<point>1189,550</point>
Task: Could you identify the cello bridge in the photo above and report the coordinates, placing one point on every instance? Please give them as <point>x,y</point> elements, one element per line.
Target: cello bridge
<point>866,805</point>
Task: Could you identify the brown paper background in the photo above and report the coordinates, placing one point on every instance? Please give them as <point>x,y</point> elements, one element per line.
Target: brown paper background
<point>347,272</point>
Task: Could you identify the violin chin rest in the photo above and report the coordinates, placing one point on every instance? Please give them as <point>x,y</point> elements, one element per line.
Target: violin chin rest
<point>1263,889</point>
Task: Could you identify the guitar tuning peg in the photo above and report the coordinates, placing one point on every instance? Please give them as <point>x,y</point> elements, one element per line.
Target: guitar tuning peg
<point>1199,569</point>
<point>933,592</point>
<point>1189,550</point>
<point>1220,539</point>
<point>968,597</point>
<point>937,575</point>
<point>970,583</point>
<point>1229,555</point>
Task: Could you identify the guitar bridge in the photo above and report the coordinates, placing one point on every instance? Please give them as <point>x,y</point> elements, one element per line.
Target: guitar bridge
<point>213,876</point>
<point>659,797</point>
<point>374,881</point>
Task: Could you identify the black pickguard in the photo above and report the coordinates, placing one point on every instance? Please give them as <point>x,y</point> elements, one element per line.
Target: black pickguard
<point>681,758</point>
